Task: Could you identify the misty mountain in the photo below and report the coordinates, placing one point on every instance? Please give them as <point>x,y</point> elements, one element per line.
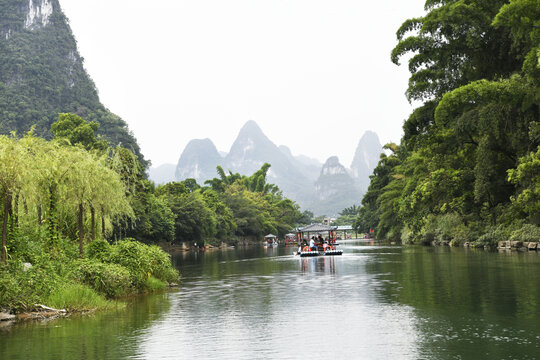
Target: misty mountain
<point>325,189</point>
<point>42,74</point>
<point>252,149</point>
<point>162,174</point>
<point>335,189</point>
<point>366,158</point>
<point>307,166</point>
<point>198,161</point>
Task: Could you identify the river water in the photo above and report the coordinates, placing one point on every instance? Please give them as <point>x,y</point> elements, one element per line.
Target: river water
<point>374,302</point>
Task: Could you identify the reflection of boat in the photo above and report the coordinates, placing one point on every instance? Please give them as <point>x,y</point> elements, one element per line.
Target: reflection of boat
<point>270,241</point>
<point>324,247</point>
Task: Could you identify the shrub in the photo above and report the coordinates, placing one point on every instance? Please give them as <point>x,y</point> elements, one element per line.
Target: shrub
<point>448,223</point>
<point>131,255</point>
<point>427,237</point>
<point>9,290</point>
<point>142,261</point>
<point>20,289</point>
<point>493,235</point>
<point>78,297</point>
<point>161,265</point>
<point>153,284</point>
<point>111,280</point>
<point>99,250</point>
<point>407,235</point>
<point>526,233</point>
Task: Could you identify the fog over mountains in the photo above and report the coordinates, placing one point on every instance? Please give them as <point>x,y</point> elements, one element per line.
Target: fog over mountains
<point>325,189</point>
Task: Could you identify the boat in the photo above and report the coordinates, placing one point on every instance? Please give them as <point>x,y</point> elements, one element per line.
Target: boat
<point>270,240</point>
<point>324,247</point>
<point>290,239</point>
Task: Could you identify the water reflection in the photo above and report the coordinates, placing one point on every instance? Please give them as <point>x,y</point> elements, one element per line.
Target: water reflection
<point>103,335</point>
<point>270,304</point>
<point>320,264</point>
<point>373,302</point>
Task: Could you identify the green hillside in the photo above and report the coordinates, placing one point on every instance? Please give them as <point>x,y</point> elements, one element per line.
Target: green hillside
<point>42,74</point>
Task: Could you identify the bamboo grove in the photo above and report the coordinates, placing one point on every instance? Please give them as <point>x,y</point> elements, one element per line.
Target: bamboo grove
<point>468,166</point>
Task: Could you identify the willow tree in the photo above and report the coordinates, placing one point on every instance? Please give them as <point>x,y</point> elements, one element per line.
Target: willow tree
<point>50,165</point>
<point>13,174</point>
<point>92,184</point>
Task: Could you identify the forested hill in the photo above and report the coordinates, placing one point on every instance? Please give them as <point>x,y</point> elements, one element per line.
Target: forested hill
<point>42,74</point>
<point>468,166</point>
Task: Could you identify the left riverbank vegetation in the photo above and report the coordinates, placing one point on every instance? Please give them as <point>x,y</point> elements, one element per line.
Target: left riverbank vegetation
<point>467,168</point>
<point>81,223</point>
<point>62,202</point>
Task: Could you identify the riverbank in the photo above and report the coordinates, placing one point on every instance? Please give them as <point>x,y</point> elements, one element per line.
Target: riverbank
<point>507,245</point>
<point>64,281</point>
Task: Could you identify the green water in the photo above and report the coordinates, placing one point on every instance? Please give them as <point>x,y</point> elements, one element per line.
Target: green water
<point>374,302</point>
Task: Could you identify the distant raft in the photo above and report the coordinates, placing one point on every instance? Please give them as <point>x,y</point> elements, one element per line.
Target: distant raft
<point>320,245</point>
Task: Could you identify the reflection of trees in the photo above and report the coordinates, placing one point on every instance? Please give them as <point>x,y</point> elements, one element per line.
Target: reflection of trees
<point>475,281</point>
<point>466,296</point>
<point>103,335</point>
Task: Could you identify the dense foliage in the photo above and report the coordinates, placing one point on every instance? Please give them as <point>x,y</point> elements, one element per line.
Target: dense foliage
<point>467,166</point>
<point>60,200</point>
<point>227,209</point>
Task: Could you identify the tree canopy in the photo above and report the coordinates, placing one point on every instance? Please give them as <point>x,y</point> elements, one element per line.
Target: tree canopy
<point>468,151</point>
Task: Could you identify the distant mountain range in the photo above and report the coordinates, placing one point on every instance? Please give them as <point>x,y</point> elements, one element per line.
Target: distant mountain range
<point>325,188</point>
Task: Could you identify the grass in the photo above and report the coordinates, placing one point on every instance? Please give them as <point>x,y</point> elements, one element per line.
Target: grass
<point>78,297</point>
<point>153,284</point>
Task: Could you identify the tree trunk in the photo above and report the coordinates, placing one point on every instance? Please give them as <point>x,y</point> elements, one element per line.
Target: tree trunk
<point>16,212</point>
<point>7,206</point>
<point>53,227</point>
<point>93,223</point>
<point>80,226</point>
<point>39,220</point>
<point>102,223</point>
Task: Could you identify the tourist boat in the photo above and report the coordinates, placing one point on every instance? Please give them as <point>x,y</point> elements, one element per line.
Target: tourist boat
<point>326,248</point>
<point>270,241</point>
<point>290,239</point>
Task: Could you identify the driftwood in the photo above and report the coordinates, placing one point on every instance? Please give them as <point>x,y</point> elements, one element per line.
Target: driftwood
<point>43,307</point>
<point>6,317</point>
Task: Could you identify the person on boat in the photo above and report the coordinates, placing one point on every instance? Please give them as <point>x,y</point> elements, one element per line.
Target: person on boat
<point>302,246</point>
<point>312,244</point>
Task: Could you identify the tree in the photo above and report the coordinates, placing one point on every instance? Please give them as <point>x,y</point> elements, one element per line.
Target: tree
<point>193,220</point>
<point>76,131</point>
<point>13,172</point>
<point>351,210</point>
<point>452,45</point>
<point>475,64</point>
<point>527,177</point>
<point>92,184</point>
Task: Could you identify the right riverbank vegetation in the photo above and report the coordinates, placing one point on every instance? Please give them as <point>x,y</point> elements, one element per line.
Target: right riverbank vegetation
<point>467,169</point>
<point>80,222</point>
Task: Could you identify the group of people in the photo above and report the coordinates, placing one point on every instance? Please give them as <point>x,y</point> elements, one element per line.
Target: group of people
<point>312,244</point>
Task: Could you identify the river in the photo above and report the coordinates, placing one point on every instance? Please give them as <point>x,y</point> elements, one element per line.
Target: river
<point>374,302</point>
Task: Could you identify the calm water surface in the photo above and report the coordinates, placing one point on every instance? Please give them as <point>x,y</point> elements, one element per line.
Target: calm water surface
<point>374,302</point>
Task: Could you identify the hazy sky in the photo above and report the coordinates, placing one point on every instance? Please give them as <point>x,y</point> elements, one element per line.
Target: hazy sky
<point>313,74</point>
